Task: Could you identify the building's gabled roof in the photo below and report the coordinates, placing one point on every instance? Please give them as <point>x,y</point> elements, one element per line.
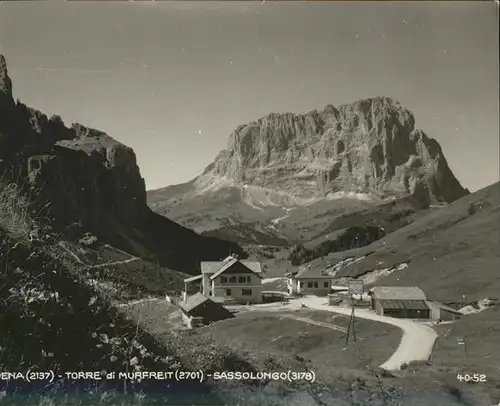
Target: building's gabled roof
<point>212,267</point>
<point>208,267</point>
<point>308,273</point>
<point>403,304</point>
<point>193,278</point>
<point>398,293</point>
<point>226,264</point>
<point>193,302</point>
<point>235,263</point>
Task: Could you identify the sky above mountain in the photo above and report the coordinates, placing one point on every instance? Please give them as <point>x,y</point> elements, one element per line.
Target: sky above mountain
<point>174,79</point>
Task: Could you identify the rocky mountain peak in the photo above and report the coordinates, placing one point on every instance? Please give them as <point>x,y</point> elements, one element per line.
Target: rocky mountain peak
<point>369,146</point>
<point>5,82</point>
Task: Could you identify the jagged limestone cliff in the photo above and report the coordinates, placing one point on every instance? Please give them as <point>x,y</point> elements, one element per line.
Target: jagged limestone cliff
<point>370,146</point>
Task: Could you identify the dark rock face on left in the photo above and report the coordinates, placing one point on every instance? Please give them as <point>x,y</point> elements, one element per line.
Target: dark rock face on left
<point>89,177</point>
<point>83,180</point>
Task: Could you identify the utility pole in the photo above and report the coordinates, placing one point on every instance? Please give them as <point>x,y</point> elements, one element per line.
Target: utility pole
<point>356,287</point>
<point>351,323</point>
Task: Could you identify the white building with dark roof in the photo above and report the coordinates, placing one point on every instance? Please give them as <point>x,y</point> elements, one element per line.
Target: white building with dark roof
<point>308,281</point>
<point>230,280</point>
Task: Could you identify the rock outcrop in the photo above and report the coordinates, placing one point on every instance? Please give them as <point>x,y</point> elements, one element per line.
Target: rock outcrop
<point>82,180</point>
<point>5,82</point>
<point>370,146</point>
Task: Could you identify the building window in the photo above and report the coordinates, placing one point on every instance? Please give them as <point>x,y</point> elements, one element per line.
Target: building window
<point>309,284</point>
<point>315,284</point>
<point>246,292</point>
<point>228,292</point>
<point>325,284</point>
<point>301,284</point>
<point>249,279</point>
<point>223,279</point>
<point>242,279</point>
<point>232,279</point>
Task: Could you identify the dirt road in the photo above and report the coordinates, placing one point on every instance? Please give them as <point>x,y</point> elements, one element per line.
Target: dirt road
<point>417,341</point>
<point>136,302</point>
<point>126,261</point>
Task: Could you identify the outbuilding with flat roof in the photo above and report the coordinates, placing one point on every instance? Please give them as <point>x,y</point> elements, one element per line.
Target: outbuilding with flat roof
<point>401,302</point>
<point>441,312</point>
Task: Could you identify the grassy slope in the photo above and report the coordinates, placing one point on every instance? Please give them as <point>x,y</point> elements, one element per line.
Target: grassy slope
<point>251,233</point>
<point>312,224</point>
<point>450,359</point>
<point>227,214</point>
<point>452,255</point>
<point>52,320</point>
<point>127,277</point>
<point>482,333</point>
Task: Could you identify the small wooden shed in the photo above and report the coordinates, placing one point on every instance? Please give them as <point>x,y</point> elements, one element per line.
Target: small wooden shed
<point>441,312</point>
<point>200,310</point>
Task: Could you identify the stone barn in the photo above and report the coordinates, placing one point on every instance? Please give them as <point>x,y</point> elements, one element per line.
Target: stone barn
<point>200,310</point>
<point>400,302</point>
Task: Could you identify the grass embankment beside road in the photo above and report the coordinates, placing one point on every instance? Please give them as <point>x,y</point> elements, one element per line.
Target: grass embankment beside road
<point>275,340</point>
<point>322,348</point>
<point>479,354</point>
<point>263,336</point>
